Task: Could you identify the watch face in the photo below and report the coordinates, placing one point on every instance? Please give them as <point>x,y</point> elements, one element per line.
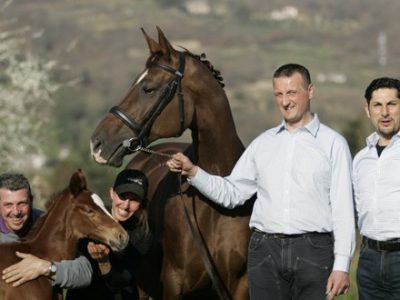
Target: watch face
<point>53,268</point>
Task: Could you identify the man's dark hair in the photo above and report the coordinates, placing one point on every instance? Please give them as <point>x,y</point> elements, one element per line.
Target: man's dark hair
<point>289,69</point>
<point>380,83</point>
<point>14,182</point>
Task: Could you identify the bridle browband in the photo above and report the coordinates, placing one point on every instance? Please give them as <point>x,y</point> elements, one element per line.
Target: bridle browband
<point>142,130</point>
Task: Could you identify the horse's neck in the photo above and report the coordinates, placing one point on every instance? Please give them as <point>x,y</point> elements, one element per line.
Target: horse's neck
<point>52,240</point>
<point>216,141</point>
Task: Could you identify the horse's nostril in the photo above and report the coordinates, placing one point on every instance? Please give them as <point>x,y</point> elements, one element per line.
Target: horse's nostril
<point>96,144</point>
<point>124,238</point>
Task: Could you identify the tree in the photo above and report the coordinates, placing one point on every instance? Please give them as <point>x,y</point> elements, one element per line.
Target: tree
<point>26,104</point>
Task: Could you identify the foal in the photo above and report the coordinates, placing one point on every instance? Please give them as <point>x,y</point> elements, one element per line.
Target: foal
<point>73,214</point>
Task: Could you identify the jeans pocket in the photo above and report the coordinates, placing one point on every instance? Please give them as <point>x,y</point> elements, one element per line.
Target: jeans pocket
<point>363,248</point>
<point>255,241</point>
<point>316,252</point>
<point>320,242</point>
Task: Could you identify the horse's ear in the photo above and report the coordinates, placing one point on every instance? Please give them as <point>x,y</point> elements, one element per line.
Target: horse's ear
<point>154,47</point>
<point>165,45</point>
<point>77,182</point>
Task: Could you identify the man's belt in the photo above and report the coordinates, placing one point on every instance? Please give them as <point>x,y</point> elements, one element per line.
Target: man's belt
<point>391,245</point>
<point>290,236</point>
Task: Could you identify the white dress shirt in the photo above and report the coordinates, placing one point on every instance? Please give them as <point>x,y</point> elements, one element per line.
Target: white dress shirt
<point>377,189</point>
<point>303,184</point>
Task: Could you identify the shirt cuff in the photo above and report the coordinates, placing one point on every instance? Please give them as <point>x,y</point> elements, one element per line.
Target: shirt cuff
<point>199,178</point>
<point>58,278</point>
<point>342,263</point>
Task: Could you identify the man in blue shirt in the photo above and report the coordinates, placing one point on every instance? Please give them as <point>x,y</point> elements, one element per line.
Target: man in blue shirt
<point>303,219</point>
<point>377,194</point>
<point>17,216</point>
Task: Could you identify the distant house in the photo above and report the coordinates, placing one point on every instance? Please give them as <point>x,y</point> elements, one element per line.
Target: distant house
<point>286,13</point>
<point>198,7</point>
<point>338,78</point>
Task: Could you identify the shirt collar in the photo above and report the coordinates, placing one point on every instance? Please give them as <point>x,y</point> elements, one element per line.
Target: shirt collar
<point>312,127</point>
<point>373,139</point>
<point>3,227</point>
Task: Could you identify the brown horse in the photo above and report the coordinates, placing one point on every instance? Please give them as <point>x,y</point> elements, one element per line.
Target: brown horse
<point>73,214</point>
<point>179,91</point>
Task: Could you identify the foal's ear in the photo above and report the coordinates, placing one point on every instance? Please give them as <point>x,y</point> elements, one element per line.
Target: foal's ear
<point>165,45</point>
<point>154,47</point>
<point>77,182</point>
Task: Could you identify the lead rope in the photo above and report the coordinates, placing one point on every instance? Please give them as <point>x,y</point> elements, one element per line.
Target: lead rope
<point>219,286</point>
<point>149,151</point>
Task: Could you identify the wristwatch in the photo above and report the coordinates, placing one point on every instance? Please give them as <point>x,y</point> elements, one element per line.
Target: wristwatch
<point>52,269</point>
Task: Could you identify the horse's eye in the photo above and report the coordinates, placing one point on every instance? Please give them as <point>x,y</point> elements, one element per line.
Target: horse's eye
<point>88,210</point>
<point>148,90</point>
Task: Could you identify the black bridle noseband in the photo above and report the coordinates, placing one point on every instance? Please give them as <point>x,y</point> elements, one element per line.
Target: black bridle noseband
<point>142,130</point>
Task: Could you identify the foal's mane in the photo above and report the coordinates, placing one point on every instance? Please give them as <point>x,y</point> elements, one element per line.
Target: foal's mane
<point>201,58</point>
<point>39,222</point>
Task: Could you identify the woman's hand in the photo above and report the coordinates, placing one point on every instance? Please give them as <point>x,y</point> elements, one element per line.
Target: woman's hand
<point>100,253</point>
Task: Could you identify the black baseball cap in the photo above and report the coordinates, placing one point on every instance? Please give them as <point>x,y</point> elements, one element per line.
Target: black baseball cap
<point>131,181</point>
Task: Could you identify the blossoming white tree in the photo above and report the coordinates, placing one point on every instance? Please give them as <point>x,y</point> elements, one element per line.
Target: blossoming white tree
<point>25,103</point>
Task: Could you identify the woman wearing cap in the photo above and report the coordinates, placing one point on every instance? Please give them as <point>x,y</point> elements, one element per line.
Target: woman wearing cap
<point>114,273</point>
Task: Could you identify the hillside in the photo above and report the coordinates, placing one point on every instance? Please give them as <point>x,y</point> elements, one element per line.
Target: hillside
<point>100,49</point>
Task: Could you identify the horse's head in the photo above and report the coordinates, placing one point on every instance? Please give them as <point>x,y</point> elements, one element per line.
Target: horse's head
<point>88,217</point>
<point>159,104</point>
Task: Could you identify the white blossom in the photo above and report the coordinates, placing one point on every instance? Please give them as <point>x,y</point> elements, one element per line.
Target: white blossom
<point>25,102</point>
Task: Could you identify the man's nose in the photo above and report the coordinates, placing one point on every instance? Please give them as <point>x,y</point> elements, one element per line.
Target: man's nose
<point>16,211</point>
<point>384,111</point>
<point>285,100</point>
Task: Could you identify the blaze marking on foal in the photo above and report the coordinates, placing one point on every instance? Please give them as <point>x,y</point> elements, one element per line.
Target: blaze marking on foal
<point>97,200</point>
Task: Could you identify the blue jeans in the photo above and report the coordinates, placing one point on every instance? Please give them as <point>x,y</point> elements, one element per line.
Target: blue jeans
<point>378,274</point>
<point>289,268</point>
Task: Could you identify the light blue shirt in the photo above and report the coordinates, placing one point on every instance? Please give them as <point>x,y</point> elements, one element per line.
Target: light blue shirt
<point>303,184</point>
<point>377,189</point>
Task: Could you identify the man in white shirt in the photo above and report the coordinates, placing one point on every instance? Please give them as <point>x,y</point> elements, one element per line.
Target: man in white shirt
<point>377,194</point>
<point>302,221</point>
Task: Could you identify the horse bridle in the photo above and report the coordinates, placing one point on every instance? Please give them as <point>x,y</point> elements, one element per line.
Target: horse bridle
<point>142,130</point>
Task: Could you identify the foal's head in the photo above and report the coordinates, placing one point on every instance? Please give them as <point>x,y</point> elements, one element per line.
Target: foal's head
<point>77,213</point>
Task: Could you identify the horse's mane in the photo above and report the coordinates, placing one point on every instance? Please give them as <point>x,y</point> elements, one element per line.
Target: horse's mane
<point>39,222</point>
<point>200,57</point>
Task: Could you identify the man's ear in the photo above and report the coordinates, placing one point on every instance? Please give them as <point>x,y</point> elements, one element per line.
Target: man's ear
<point>311,91</point>
<point>366,108</point>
